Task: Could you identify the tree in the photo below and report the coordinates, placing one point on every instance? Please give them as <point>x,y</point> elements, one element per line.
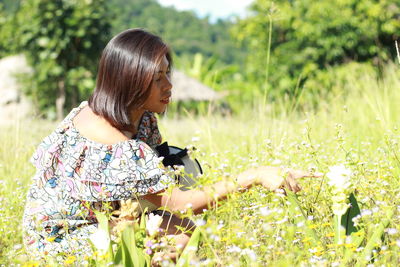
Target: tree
<point>183,30</point>
<point>62,40</point>
<point>309,36</point>
<point>7,27</point>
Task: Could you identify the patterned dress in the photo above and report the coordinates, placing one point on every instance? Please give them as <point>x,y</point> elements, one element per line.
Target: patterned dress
<point>75,175</point>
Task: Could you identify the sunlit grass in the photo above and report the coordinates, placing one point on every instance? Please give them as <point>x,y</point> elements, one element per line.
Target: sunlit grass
<point>257,227</point>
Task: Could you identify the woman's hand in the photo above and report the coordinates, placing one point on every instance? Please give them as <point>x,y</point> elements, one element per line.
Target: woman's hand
<point>273,178</point>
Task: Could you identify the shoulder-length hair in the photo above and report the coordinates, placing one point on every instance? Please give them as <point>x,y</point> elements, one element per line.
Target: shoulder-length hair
<point>126,69</point>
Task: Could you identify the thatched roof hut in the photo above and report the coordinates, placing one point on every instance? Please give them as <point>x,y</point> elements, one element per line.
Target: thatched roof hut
<point>187,88</point>
<point>13,102</point>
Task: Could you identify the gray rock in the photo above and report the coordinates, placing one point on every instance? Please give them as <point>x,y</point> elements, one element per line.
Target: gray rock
<point>13,104</point>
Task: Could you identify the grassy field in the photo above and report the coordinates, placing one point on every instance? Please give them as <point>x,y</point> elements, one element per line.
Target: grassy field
<point>259,228</point>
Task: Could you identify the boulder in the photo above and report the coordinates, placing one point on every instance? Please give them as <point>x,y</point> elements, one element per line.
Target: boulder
<point>13,104</point>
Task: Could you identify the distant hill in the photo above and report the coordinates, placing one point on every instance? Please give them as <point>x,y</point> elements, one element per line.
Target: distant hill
<point>183,30</point>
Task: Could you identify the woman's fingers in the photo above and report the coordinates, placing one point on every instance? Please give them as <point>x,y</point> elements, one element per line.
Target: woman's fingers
<point>296,174</point>
<point>273,178</point>
<point>292,184</point>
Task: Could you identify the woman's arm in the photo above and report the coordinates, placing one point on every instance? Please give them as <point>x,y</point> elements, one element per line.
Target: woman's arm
<point>269,177</point>
<point>197,199</point>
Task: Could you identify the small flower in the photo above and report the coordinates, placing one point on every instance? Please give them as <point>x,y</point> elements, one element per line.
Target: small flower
<point>129,209</point>
<point>153,224</point>
<point>31,264</point>
<point>149,244</point>
<point>234,249</point>
<point>339,177</point>
<point>264,211</point>
<point>252,255</point>
<point>17,247</point>
<point>200,222</point>
<point>339,208</point>
<point>101,240</point>
<point>391,231</point>
<point>70,260</point>
<point>276,162</point>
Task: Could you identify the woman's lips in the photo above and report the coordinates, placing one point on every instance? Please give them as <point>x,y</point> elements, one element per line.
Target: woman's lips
<point>165,100</point>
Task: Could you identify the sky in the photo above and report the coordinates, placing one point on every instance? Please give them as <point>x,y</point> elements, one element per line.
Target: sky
<point>215,8</point>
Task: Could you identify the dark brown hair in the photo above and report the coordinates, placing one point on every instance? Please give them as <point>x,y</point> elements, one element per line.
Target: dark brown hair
<point>126,70</point>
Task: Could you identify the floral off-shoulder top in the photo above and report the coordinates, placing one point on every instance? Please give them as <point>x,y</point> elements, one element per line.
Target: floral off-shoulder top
<point>75,174</point>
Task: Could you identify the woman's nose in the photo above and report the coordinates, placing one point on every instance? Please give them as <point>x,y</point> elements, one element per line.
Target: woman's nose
<point>167,83</point>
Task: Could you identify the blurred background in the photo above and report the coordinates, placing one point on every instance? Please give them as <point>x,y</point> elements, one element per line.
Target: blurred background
<point>304,84</point>
<point>229,55</point>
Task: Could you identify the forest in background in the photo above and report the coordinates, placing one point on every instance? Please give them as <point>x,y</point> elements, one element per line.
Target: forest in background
<point>284,51</point>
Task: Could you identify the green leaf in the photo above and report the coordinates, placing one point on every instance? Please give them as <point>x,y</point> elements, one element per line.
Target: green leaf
<point>356,238</point>
<point>119,255</point>
<point>375,238</point>
<point>143,219</point>
<point>188,251</point>
<point>126,255</point>
<point>352,212</point>
<point>293,205</point>
<point>132,253</point>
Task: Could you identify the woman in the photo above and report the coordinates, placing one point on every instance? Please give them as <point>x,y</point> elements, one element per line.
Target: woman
<point>102,153</point>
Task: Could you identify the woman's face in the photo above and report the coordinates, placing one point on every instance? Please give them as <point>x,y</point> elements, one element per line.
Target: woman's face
<point>160,89</point>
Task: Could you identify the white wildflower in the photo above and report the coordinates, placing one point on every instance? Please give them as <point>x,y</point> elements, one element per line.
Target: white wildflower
<point>366,212</point>
<point>233,249</point>
<point>153,224</point>
<point>17,247</point>
<point>101,240</point>
<point>300,224</point>
<point>276,162</point>
<point>252,255</point>
<point>239,234</point>
<point>339,208</point>
<point>200,222</point>
<point>391,231</point>
<point>264,211</point>
<point>339,177</point>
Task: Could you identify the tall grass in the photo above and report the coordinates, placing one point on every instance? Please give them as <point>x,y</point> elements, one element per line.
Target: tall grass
<point>258,228</point>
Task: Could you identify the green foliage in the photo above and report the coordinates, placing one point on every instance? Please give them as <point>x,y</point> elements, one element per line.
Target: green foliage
<point>10,6</point>
<point>190,249</point>
<point>131,247</point>
<point>7,29</point>
<point>62,40</point>
<point>183,30</point>
<point>352,212</point>
<point>308,36</point>
<point>257,221</point>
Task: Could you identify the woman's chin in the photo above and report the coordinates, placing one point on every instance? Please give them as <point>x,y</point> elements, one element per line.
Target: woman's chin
<point>159,110</point>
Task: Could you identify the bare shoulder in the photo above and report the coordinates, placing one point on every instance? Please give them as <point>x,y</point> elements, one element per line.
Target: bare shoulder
<point>96,128</point>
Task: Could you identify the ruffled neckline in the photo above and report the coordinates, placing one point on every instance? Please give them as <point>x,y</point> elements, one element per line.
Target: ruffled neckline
<point>67,125</point>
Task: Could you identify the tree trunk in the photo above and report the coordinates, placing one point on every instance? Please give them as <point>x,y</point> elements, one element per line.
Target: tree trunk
<point>74,97</point>
<point>60,101</point>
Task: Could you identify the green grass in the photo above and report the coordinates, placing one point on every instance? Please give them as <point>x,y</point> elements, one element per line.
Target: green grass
<point>358,128</point>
